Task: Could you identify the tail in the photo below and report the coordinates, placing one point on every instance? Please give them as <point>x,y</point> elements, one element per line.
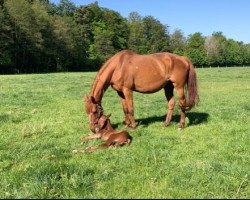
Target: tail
<point>192,88</point>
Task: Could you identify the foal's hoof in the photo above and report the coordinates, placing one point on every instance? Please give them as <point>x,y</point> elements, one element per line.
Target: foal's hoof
<point>78,151</point>
<point>83,140</point>
<point>90,149</point>
<point>75,151</point>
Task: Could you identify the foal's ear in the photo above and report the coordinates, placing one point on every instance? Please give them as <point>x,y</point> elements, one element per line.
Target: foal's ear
<point>108,116</point>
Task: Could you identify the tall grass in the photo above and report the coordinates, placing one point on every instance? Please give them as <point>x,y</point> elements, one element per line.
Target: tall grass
<point>42,119</point>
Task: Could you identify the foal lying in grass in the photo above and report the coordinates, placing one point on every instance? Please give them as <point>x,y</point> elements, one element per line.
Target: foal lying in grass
<point>112,137</point>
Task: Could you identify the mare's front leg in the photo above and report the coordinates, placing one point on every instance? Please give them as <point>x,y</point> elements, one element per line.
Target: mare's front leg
<point>169,93</point>
<point>125,108</point>
<point>130,106</point>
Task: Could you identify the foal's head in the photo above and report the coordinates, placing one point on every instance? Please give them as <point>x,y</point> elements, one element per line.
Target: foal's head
<point>94,111</point>
<point>103,123</point>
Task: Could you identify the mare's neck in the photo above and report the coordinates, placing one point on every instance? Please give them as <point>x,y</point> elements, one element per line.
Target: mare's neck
<point>100,85</point>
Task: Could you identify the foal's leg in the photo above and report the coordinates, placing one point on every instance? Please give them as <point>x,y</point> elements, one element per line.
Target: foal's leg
<point>130,105</point>
<point>169,93</point>
<point>87,150</point>
<point>182,104</point>
<point>85,138</point>
<point>91,149</point>
<point>125,108</point>
<point>91,136</point>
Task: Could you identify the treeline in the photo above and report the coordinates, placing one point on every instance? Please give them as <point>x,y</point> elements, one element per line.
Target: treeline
<point>38,36</point>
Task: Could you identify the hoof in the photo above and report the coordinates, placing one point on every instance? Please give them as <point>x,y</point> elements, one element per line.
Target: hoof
<point>180,128</point>
<point>129,126</point>
<point>83,140</point>
<point>78,151</point>
<point>132,127</point>
<point>90,149</point>
<point>125,123</point>
<point>166,124</point>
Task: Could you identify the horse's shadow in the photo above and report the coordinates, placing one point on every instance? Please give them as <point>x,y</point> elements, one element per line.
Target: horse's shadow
<point>194,118</point>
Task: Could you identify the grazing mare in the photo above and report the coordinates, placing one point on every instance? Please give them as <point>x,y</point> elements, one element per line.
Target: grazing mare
<point>127,71</point>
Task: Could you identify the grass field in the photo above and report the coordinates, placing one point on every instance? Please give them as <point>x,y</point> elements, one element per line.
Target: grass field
<point>42,119</point>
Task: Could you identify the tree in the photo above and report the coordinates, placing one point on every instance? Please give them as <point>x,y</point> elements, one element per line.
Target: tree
<point>104,32</point>
<point>156,35</point>
<point>65,7</point>
<point>196,49</point>
<point>136,41</point>
<point>233,53</point>
<point>246,54</point>
<point>102,48</point>
<point>221,40</point>
<point>27,37</point>
<point>212,47</point>
<point>43,42</point>
<point>118,25</point>
<point>84,18</point>
<point>177,42</point>
<point>1,3</point>
<point>6,42</point>
<point>39,36</point>
<point>147,34</point>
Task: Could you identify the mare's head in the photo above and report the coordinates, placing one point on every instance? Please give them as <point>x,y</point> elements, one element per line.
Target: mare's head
<point>94,111</point>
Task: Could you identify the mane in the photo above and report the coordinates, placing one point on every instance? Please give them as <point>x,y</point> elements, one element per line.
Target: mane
<point>105,73</point>
<point>99,73</point>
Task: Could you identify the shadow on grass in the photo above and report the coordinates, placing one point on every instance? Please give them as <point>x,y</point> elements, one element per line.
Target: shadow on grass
<point>194,119</point>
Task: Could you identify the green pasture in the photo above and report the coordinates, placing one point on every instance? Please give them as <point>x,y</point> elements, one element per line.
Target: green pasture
<point>42,119</point>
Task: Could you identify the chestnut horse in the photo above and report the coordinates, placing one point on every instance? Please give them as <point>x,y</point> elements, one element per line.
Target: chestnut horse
<point>105,131</point>
<point>127,71</point>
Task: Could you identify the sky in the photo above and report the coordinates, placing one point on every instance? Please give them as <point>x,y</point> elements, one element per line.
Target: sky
<point>231,17</point>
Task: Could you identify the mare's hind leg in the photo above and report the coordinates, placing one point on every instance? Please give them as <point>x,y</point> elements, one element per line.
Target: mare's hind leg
<point>125,108</point>
<point>169,93</point>
<point>182,104</point>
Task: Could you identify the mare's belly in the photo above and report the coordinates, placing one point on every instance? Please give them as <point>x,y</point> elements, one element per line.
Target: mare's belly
<point>149,83</point>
